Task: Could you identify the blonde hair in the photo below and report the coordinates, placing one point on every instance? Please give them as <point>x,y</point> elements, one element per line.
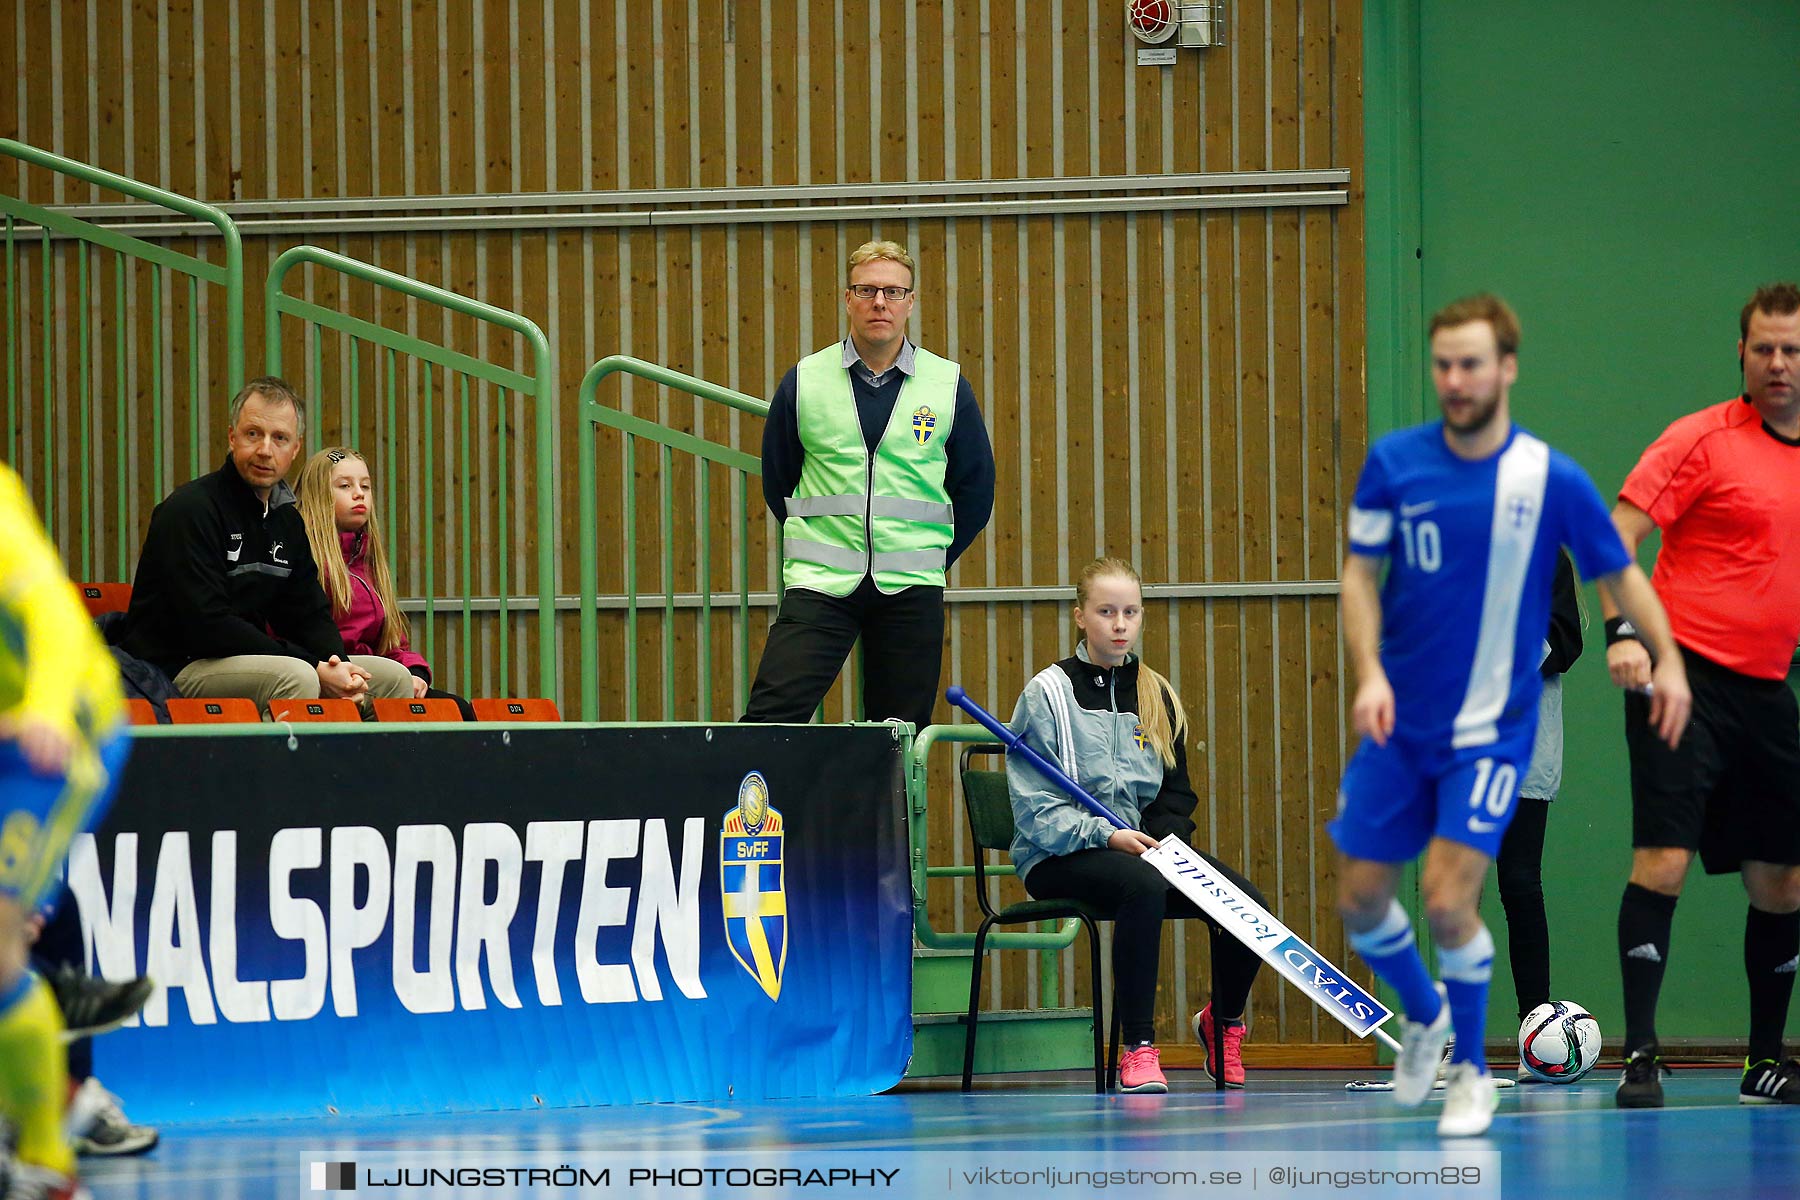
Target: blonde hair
<point>892,251</point>
<point>319,510</point>
<point>1159,730</point>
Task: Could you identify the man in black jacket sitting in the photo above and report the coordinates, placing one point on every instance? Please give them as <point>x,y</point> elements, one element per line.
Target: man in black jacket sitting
<point>227,600</point>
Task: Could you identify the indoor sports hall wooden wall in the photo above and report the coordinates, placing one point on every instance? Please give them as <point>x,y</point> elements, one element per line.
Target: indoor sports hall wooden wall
<point>1179,386</point>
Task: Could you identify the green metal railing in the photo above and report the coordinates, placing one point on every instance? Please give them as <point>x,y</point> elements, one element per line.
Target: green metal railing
<point>129,254</point>
<point>590,414</point>
<point>918,798</point>
<point>387,345</point>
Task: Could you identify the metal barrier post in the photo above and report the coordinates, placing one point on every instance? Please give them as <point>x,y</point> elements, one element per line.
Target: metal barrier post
<point>538,385</point>
<point>590,413</point>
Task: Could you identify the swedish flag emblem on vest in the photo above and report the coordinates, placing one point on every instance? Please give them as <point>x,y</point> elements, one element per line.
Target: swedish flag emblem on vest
<point>752,885</point>
<point>924,424</point>
<point>1138,736</point>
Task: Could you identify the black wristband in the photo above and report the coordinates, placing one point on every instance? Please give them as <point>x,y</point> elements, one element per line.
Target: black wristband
<point>1618,629</point>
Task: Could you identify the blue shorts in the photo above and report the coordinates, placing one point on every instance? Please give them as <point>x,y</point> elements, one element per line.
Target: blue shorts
<point>41,814</point>
<point>1396,797</point>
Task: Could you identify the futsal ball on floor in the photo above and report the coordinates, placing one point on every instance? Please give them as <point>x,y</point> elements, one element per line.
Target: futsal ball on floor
<point>1559,1042</point>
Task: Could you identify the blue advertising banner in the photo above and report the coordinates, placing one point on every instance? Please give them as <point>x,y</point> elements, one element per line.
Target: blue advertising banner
<point>484,919</point>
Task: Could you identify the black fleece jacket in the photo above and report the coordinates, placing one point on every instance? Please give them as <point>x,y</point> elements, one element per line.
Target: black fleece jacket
<point>221,574</point>
<point>1565,619</point>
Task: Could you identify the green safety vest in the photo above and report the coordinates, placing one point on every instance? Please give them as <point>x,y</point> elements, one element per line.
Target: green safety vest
<point>853,513</point>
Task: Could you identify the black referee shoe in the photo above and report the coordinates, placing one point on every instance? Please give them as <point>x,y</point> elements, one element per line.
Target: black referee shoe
<point>1641,1084</point>
<point>1770,1082</point>
<point>91,1005</point>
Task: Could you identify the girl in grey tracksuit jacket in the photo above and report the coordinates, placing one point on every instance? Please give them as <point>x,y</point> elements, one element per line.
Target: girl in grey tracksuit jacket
<point>1086,716</point>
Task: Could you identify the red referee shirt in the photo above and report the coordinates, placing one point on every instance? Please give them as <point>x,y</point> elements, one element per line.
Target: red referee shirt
<point>1726,493</point>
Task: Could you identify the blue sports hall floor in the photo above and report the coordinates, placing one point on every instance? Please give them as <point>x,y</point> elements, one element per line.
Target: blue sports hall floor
<point>1566,1141</point>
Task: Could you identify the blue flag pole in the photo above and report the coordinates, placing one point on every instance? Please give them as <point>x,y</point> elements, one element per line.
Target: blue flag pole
<point>1025,750</point>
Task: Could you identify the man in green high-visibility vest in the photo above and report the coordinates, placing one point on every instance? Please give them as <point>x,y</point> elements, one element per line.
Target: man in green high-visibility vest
<point>877,464</point>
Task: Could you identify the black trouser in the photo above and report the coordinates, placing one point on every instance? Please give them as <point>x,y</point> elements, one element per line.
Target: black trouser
<point>1137,898</point>
<point>1520,869</point>
<point>903,652</point>
<point>463,706</point>
<point>60,945</point>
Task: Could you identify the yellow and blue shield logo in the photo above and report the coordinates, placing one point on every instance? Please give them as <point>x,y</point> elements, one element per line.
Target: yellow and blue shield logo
<point>1139,736</point>
<point>752,884</point>
<point>924,424</point>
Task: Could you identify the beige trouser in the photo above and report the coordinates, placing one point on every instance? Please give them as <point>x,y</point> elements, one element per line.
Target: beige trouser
<point>266,677</point>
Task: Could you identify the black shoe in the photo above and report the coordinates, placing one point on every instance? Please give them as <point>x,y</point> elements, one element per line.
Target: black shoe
<point>1770,1082</point>
<point>91,1005</point>
<point>1641,1084</point>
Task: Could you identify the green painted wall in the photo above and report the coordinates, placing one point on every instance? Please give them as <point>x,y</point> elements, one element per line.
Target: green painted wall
<point>1624,173</point>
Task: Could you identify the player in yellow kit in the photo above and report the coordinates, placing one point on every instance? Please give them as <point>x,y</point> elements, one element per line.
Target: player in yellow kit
<point>63,743</point>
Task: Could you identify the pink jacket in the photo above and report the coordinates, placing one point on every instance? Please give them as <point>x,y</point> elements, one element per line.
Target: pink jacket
<point>361,626</point>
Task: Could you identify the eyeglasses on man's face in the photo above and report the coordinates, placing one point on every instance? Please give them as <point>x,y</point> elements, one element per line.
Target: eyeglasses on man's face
<point>868,291</point>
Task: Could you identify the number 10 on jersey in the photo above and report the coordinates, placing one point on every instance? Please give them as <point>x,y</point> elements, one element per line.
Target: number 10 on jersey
<point>1424,545</point>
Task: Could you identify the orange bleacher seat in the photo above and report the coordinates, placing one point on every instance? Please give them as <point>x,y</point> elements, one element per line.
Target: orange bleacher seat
<point>330,708</point>
<point>218,710</point>
<point>140,710</point>
<point>438,709</point>
<point>105,597</point>
<point>508,709</point>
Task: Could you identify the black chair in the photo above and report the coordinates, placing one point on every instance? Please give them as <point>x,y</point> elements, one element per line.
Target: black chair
<point>991,823</point>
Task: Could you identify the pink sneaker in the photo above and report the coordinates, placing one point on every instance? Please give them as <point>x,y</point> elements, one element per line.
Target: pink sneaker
<point>1234,1047</point>
<point>1140,1070</point>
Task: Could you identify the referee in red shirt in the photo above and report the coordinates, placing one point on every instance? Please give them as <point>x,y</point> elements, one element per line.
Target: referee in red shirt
<point>1723,484</point>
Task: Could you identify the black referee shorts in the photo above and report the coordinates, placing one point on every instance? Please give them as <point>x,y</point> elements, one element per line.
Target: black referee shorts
<point>1731,790</point>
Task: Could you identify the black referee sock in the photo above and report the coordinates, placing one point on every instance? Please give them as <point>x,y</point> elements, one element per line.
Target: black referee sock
<point>1644,920</point>
<point>1771,953</point>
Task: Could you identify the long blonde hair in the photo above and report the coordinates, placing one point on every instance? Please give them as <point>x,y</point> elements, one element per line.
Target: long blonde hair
<point>1158,729</point>
<point>318,508</point>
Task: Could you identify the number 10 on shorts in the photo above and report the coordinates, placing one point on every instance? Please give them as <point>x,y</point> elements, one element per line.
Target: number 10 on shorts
<point>1492,795</point>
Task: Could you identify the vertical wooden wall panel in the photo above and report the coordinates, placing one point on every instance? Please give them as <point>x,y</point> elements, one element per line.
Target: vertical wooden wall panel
<point>12,54</point>
<point>246,151</point>
<point>1292,879</point>
<point>70,30</point>
<point>1183,390</point>
<point>38,119</point>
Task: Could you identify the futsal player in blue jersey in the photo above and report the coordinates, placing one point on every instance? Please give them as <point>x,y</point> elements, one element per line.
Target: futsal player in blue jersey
<point>1468,514</point>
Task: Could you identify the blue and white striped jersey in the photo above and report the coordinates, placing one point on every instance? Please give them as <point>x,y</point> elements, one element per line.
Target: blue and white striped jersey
<point>1471,549</point>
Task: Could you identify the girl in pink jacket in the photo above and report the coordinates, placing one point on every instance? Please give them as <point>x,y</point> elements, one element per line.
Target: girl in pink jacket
<point>338,505</point>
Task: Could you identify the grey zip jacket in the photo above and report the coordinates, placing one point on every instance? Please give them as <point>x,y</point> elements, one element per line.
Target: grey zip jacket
<point>1096,740</point>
